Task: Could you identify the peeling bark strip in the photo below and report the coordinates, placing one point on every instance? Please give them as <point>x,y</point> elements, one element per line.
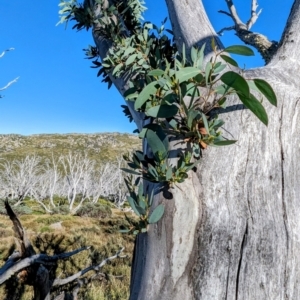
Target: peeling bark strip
<point>240,262</point>
<point>185,255</point>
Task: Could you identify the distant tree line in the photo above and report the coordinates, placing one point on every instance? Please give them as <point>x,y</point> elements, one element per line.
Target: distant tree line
<point>74,177</point>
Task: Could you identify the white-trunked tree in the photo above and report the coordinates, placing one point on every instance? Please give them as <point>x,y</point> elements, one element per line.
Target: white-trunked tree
<point>231,229</point>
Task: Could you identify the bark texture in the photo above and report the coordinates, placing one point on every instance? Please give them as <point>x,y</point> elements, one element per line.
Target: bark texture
<point>232,230</point>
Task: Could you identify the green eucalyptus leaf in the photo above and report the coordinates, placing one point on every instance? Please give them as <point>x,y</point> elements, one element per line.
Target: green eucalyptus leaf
<point>145,94</point>
<point>156,214</point>
<point>141,190</point>
<point>219,68</point>
<point>156,72</point>
<point>229,60</point>
<point>173,124</point>
<point>169,174</point>
<point>128,51</point>
<point>224,143</point>
<point>200,57</point>
<point>183,54</point>
<point>221,89</point>
<point>130,171</point>
<point>237,82</point>
<point>266,90</point>
<point>153,172</point>
<point>240,50</point>
<point>255,106</point>
<point>162,111</point>
<point>142,203</point>
<point>208,70</point>
<point>139,155</point>
<point>155,143</point>
<point>204,119</point>
<point>117,68</point>
<point>133,205</point>
<point>192,115</point>
<point>159,132</point>
<point>194,55</point>
<point>186,74</point>
<point>129,92</point>
<point>130,59</point>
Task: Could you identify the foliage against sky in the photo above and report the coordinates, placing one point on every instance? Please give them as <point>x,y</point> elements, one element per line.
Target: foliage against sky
<point>57,91</point>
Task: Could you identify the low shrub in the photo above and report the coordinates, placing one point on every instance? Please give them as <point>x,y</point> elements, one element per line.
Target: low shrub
<point>19,210</point>
<point>94,210</point>
<point>62,210</point>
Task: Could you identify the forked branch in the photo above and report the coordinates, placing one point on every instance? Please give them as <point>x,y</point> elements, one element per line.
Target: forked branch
<point>265,47</point>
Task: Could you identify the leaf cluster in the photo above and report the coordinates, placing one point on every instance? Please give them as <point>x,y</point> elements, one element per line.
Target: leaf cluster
<point>73,11</point>
<point>179,96</point>
<point>141,204</point>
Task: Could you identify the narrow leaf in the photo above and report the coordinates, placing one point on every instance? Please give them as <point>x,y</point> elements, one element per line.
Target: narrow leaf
<point>133,205</point>
<point>237,82</point>
<point>155,143</point>
<point>200,57</point>
<point>156,72</point>
<point>186,74</point>
<point>229,60</point>
<point>208,71</point>
<point>130,171</point>
<point>192,115</point>
<point>194,55</point>
<point>224,143</point>
<point>145,94</point>
<point>240,50</point>
<point>162,111</point>
<point>156,214</point>
<point>266,90</point>
<point>256,107</point>
<point>130,59</point>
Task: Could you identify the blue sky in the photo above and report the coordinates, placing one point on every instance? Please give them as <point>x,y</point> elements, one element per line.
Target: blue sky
<point>57,91</point>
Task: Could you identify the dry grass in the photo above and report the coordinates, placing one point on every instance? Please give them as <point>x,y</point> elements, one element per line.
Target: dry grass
<point>75,232</point>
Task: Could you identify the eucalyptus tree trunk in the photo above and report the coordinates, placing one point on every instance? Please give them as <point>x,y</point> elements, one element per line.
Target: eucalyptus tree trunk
<point>232,230</point>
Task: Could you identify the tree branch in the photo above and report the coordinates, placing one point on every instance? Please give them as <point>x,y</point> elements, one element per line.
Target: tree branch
<point>225,29</point>
<point>233,12</point>
<point>254,14</point>
<point>265,47</point>
<point>59,282</point>
<point>10,83</point>
<point>24,244</point>
<point>187,17</point>
<point>3,53</point>
<point>36,259</point>
<point>225,13</point>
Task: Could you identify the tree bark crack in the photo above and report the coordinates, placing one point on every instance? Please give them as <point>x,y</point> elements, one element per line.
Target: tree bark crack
<point>227,281</point>
<point>248,199</point>
<point>283,201</point>
<point>243,245</point>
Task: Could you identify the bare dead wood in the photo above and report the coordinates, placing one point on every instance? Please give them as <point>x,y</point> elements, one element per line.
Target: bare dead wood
<point>264,46</point>
<point>24,244</point>
<point>59,282</point>
<point>31,267</point>
<point>36,259</point>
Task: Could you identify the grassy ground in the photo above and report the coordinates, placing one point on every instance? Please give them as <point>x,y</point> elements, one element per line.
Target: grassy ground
<point>49,237</point>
